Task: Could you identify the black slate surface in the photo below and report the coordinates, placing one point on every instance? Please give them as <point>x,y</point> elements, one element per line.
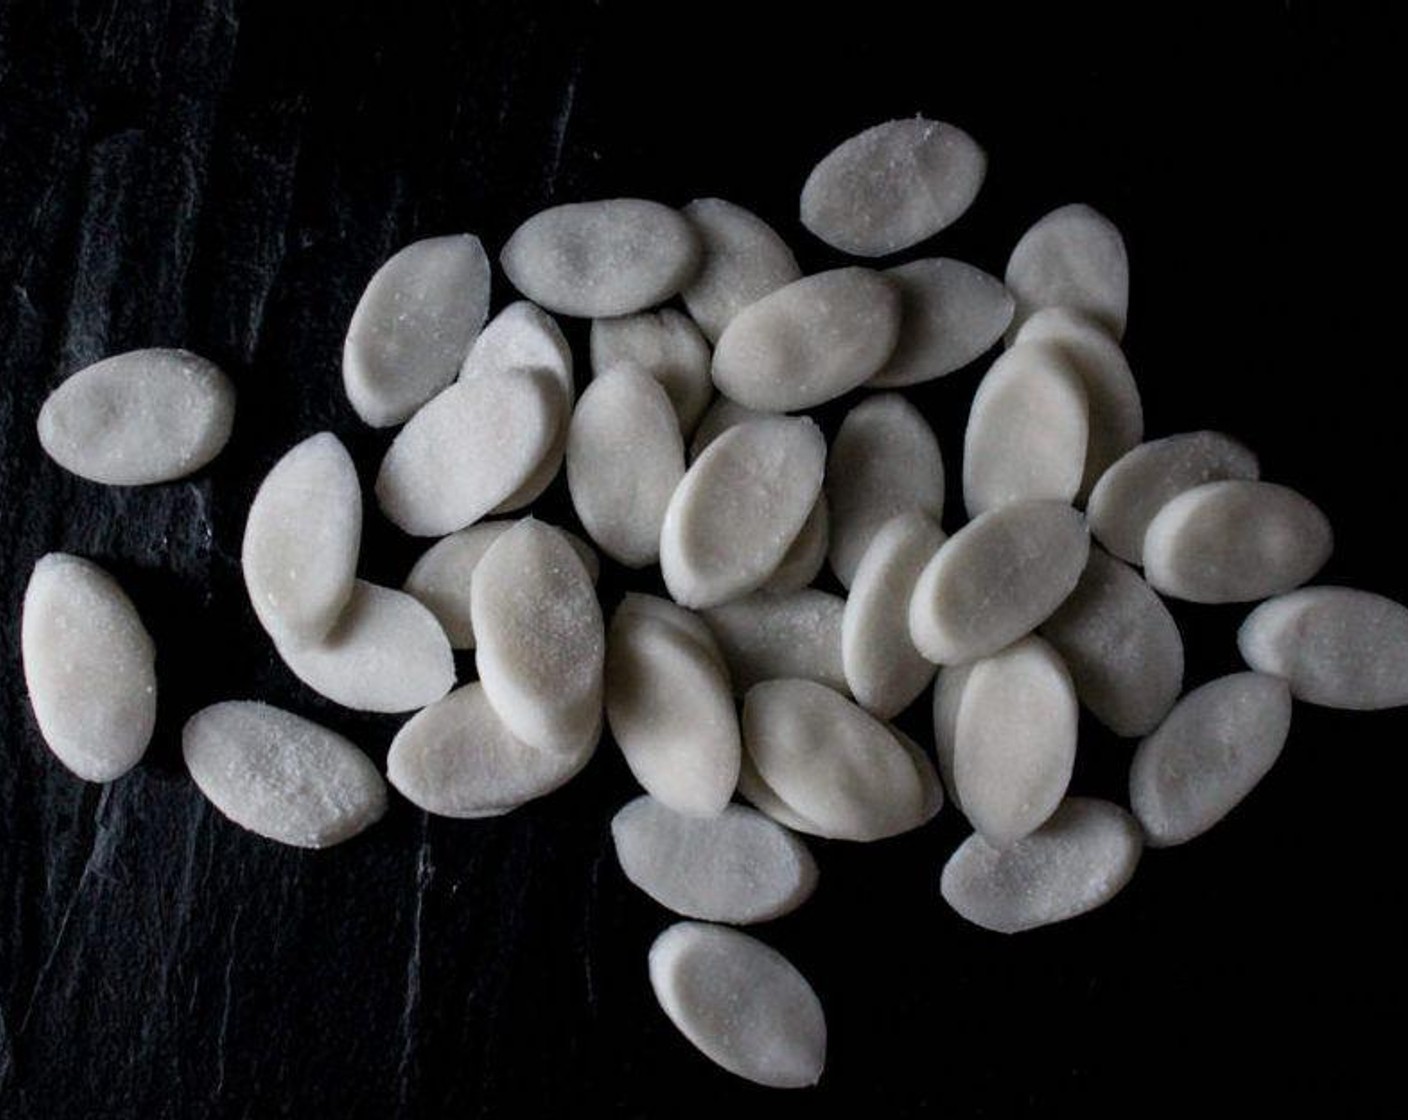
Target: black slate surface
<point>225,176</point>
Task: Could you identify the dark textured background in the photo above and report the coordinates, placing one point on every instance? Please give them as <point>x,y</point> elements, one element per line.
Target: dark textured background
<point>226,177</point>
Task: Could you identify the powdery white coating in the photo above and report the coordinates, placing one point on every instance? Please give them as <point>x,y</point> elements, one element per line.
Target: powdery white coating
<point>663,345</point>
<point>885,460</point>
<point>948,701</point>
<point>1079,860</point>
<point>280,775</point>
<point>737,867</point>
<point>671,712</point>
<point>1073,257</point>
<point>457,759</point>
<point>523,336</point>
<point>1027,433</point>
<point>884,671</point>
<point>1142,481</point>
<point>768,637</point>
<point>596,259</point>
<point>541,638</point>
<point>301,540</point>
<point>90,667</point>
<point>1215,746</point>
<point>996,580</point>
<point>722,415</point>
<point>625,456</point>
<point>744,259</point>
<point>1116,410</point>
<point>741,1003</point>
<point>832,762</point>
<point>444,574</point>
<point>1014,742</point>
<point>805,556</point>
<point>738,509</point>
<point>929,782</point>
<point>766,801</point>
<point>685,621</point>
<point>468,450</point>
<point>950,313</point>
<point>386,654</point>
<point>140,417</point>
<point>1234,542</point>
<point>1334,646</point>
<point>810,342</point>
<point>892,186</point>
<point>414,325</point>
<point>1121,645</point>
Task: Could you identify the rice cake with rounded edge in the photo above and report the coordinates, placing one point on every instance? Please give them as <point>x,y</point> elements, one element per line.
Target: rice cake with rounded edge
<point>1121,645</point>
<point>948,701</point>
<point>413,326</point>
<point>997,579</point>
<point>455,758</point>
<point>385,654</point>
<point>524,336</point>
<point>1335,646</point>
<point>443,576</point>
<point>468,450</point>
<point>1072,257</point>
<point>832,762</point>
<point>281,776</point>
<point>89,666</point>
<point>805,556</point>
<point>1144,479</point>
<point>1015,740</point>
<point>665,346</point>
<point>1234,542</point>
<point>1027,431</point>
<point>892,186</point>
<point>138,418</point>
<point>541,639</point>
<point>625,456</point>
<point>722,415</point>
<point>1207,755</point>
<point>597,259</point>
<point>740,1003</point>
<point>950,314</point>
<point>743,260</point>
<point>884,460</point>
<point>738,509</point>
<point>681,618</point>
<point>302,537</point>
<point>738,867</point>
<point>1112,395</point>
<point>884,672</point>
<point>672,714</point>
<point>766,636</point>
<point>809,342</point>
<point>1078,860</point>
